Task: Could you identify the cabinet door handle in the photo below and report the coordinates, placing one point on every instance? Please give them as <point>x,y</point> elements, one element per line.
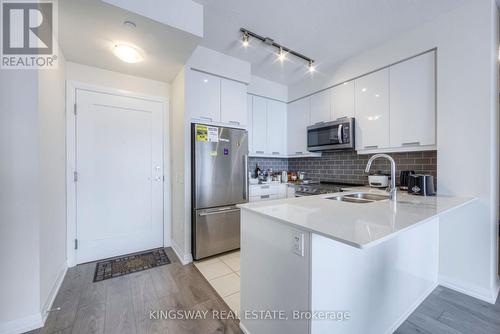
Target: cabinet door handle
<point>206,118</point>
<point>276,153</point>
<point>259,152</point>
<point>298,153</point>
<point>234,122</point>
<point>317,123</point>
<point>415,143</point>
<point>264,196</point>
<point>371,146</point>
<point>264,187</point>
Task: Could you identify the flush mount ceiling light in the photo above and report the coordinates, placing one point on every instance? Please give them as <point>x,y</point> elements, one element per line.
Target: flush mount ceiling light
<point>282,50</point>
<point>128,53</point>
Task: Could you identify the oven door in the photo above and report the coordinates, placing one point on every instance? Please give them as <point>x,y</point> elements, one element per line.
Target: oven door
<point>331,136</point>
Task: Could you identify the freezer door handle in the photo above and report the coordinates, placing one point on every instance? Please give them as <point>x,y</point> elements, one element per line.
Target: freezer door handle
<point>217,211</point>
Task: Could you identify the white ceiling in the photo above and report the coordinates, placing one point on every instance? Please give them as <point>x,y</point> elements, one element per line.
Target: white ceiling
<point>89,29</point>
<point>329,31</point>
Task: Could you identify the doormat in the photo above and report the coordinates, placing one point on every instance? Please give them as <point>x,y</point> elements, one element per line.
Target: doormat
<point>131,263</point>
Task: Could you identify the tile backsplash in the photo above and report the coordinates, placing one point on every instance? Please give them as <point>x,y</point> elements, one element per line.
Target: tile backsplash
<point>349,167</point>
<point>276,164</point>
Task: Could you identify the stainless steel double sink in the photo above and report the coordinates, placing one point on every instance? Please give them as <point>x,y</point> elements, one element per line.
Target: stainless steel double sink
<point>359,198</point>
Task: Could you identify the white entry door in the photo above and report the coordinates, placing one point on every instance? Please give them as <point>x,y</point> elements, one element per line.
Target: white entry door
<point>119,180</point>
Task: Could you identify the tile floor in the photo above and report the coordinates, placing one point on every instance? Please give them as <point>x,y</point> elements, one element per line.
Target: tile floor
<point>223,274</point>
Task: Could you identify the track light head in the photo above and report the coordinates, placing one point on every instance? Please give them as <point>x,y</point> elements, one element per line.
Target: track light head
<point>311,66</point>
<point>245,39</point>
<point>281,55</point>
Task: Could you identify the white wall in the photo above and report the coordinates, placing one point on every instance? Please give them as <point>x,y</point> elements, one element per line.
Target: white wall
<point>52,146</point>
<point>181,203</point>
<point>105,78</point>
<point>19,200</point>
<point>211,61</point>
<point>467,103</point>
<point>185,15</point>
<point>266,88</point>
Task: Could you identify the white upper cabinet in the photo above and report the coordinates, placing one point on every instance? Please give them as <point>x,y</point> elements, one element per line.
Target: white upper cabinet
<point>233,102</point>
<point>372,111</point>
<point>259,125</point>
<point>343,100</point>
<point>412,102</point>
<point>203,96</point>
<point>276,127</point>
<point>298,120</point>
<point>212,99</point>
<point>321,107</point>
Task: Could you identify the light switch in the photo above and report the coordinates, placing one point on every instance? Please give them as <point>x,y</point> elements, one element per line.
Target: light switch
<point>298,243</point>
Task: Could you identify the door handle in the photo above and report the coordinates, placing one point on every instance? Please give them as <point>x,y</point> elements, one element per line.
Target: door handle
<point>415,143</point>
<point>371,146</point>
<point>245,189</point>
<point>217,212</point>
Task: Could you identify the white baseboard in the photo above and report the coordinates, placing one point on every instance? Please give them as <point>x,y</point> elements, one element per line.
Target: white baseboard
<point>412,309</point>
<point>184,258</point>
<point>53,292</point>
<point>22,325</point>
<point>489,296</point>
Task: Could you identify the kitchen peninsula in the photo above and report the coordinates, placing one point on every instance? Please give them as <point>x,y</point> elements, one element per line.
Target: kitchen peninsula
<point>375,260</point>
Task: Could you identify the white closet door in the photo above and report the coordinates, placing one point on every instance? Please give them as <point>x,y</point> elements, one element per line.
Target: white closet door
<point>119,160</point>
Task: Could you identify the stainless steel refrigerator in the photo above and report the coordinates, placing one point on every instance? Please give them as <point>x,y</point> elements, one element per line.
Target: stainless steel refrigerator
<point>219,182</point>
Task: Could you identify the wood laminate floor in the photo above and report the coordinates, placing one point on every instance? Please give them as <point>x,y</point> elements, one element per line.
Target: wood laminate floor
<point>123,305</point>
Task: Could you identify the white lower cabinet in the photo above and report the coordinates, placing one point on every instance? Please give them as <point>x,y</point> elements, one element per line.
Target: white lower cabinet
<point>265,192</point>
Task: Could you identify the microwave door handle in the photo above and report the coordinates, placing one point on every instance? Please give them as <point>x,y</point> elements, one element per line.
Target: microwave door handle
<point>339,134</point>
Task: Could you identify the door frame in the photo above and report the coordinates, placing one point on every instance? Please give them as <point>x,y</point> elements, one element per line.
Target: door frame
<point>71,87</point>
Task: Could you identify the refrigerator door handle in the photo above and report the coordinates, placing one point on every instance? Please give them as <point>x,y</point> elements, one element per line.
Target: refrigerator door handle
<point>245,186</point>
<point>218,212</point>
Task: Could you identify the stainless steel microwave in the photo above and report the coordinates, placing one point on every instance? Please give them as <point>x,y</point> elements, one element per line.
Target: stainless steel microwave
<point>328,136</point>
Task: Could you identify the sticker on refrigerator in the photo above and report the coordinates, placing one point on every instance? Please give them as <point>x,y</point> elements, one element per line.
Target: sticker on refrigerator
<point>201,132</point>
<point>226,151</point>
<point>213,134</point>
<point>213,153</point>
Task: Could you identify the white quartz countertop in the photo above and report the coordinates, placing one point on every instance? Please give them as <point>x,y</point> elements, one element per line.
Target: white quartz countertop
<point>359,225</point>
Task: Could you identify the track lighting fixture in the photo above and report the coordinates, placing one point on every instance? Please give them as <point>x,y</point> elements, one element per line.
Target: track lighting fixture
<point>282,50</point>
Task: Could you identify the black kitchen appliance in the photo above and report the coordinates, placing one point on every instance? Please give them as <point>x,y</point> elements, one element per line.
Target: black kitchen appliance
<point>403,179</point>
<point>423,185</point>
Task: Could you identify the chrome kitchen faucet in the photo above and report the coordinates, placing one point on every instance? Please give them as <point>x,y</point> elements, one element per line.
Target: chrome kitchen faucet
<point>392,187</point>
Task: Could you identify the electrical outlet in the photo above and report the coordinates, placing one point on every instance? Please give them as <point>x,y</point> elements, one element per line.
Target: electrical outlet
<point>298,243</point>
